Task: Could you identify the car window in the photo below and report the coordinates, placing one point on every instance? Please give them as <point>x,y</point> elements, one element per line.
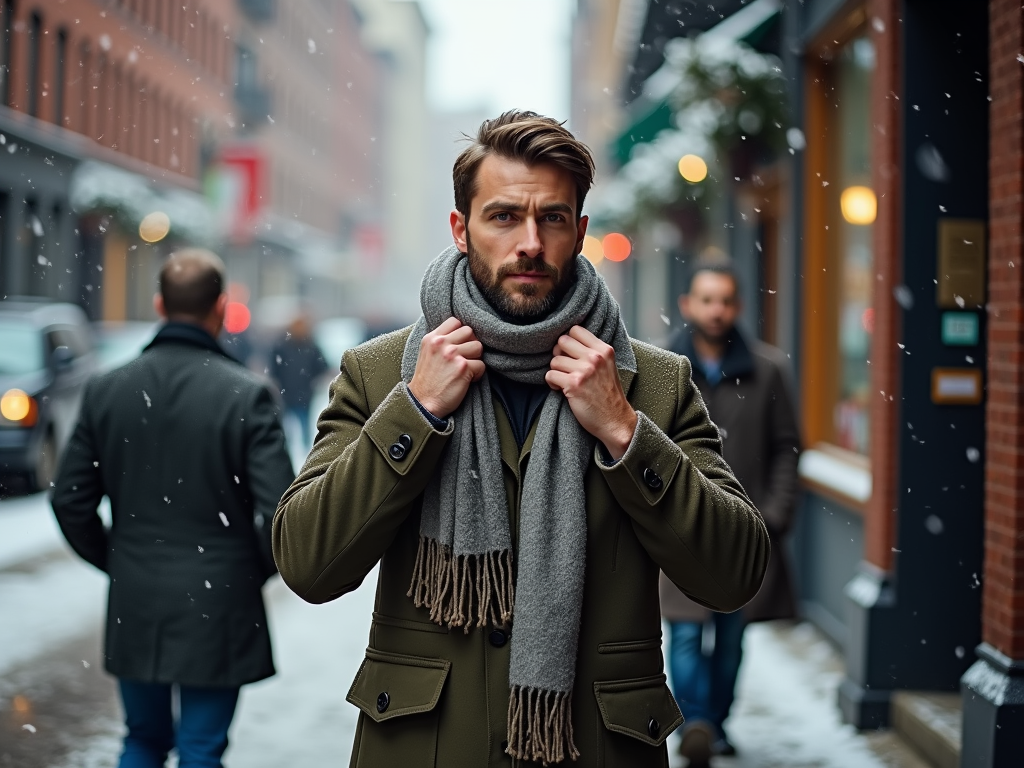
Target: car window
<point>21,349</point>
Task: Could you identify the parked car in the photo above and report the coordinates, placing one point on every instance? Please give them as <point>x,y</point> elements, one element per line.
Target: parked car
<point>46,356</point>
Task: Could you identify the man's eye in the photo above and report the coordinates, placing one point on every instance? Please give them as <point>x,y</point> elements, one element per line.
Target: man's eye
<point>555,217</point>
<point>502,216</point>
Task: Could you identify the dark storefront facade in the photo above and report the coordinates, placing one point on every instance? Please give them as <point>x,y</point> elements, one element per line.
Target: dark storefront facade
<point>881,251</point>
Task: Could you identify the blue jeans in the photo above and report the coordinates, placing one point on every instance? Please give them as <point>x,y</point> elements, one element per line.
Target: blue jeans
<point>202,729</point>
<point>705,685</point>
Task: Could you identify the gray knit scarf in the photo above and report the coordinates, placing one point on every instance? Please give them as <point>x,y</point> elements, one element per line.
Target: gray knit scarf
<point>464,567</point>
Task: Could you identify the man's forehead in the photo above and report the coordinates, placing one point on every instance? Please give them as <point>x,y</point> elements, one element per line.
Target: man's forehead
<point>502,178</point>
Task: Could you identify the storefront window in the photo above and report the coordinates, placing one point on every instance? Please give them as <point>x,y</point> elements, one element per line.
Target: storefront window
<point>852,206</point>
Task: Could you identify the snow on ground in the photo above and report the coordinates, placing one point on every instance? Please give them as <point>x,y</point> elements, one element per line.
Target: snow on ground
<point>27,529</point>
<point>51,607</point>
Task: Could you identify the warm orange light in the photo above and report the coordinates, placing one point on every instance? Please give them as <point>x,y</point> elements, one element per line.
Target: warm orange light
<point>21,704</point>
<point>859,205</point>
<point>616,246</point>
<point>16,405</point>
<point>154,227</point>
<point>237,317</point>
<point>593,249</point>
<point>693,168</point>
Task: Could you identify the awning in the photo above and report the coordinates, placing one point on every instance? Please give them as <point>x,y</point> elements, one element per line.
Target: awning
<point>652,112</point>
<point>97,186</point>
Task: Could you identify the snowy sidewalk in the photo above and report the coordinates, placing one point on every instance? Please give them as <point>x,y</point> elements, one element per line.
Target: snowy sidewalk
<point>51,606</point>
<point>786,714</point>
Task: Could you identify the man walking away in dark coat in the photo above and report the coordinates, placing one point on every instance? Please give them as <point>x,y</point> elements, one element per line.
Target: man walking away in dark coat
<point>296,362</point>
<point>744,387</point>
<point>188,446</point>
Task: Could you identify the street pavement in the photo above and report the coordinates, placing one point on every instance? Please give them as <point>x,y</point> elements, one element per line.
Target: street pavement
<point>58,709</point>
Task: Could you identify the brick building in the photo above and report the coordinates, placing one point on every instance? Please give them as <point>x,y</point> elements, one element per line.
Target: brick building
<point>110,106</point>
<point>905,327</point>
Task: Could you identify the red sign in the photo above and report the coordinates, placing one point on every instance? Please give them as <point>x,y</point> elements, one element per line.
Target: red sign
<point>238,189</point>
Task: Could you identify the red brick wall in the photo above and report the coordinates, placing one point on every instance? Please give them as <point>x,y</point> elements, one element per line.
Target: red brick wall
<point>1003,600</point>
<point>879,518</point>
<point>148,93</point>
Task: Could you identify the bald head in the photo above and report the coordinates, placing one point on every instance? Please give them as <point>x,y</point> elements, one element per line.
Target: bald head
<point>191,282</point>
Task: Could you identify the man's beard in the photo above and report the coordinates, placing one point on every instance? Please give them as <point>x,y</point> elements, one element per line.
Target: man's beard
<point>526,305</point>
<point>710,336</point>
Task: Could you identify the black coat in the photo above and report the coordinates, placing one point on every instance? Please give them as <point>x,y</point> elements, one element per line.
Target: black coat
<point>753,409</point>
<point>188,446</point>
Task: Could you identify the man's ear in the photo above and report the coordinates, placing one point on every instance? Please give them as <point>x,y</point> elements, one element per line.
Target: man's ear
<point>684,306</point>
<point>458,222</point>
<point>581,232</point>
<point>158,306</point>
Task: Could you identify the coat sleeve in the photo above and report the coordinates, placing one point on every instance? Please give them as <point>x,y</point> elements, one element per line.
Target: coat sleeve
<point>356,489</point>
<point>688,510</point>
<point>784,445</point>
<point>79,489</point>
<point>268,468</point>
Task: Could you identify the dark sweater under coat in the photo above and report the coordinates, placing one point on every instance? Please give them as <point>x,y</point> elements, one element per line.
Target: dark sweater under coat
<point>188,446</point>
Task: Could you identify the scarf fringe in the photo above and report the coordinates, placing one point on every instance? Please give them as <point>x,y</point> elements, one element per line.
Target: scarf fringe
<point>540,725</point>
<point>463,590</point>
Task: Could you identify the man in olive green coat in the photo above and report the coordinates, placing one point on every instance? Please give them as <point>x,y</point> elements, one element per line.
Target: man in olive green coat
<point>521,470</point>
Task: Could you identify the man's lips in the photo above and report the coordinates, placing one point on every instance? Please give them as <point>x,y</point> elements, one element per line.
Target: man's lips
<point>529,276</point>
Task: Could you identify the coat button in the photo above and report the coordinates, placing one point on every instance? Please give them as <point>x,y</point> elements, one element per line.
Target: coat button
<point>498,638</point>
<point>383,700</point>
<point>653,726</point>
<point>400,447</point>
<point>652,478</point>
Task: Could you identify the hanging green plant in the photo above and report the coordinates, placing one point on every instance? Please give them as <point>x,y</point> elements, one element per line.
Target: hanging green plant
<point>733,95</point>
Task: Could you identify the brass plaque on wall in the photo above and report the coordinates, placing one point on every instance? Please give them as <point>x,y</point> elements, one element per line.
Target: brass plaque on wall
<point>960,270</point>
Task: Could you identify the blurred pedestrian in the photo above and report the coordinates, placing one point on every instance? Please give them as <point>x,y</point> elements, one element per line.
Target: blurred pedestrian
<point>520,468</point>
<point>296,362</point>
<point>743,383</point>
<point>188,446</point>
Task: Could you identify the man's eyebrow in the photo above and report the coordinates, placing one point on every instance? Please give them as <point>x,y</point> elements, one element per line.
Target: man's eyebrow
<point>556,208</point>
<point>499,205</point>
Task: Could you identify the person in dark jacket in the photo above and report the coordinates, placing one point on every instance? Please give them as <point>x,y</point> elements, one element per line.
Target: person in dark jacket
<point>744,386</point>
<point>296,362</point>
<point>188,446</point>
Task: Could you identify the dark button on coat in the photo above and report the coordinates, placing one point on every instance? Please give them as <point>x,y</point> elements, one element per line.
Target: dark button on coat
<point>188,446</point>
<point>353,506</point>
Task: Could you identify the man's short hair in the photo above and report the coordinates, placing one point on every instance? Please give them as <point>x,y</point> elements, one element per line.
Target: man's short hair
<point>531,139</point>
<point>191,281</point>
<point>716,261</point>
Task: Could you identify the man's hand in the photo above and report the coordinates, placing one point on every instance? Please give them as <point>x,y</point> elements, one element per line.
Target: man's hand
<point>584,369</point>
<point>449,362</point>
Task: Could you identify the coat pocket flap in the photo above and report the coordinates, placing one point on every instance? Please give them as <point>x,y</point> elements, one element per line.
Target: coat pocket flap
<point>391,685</point>
<point>641,708</point>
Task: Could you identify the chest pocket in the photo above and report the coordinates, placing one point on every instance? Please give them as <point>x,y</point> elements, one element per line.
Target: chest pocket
<point>637,716</point>
<point>398,696</point>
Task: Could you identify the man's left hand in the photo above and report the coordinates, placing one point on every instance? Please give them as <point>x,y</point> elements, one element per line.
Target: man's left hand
<point>583,368</point>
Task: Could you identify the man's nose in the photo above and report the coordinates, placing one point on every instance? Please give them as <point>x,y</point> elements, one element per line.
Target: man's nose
<point>530,245</point>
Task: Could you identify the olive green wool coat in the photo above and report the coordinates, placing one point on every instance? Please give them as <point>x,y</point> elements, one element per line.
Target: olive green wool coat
<point>429,696</point>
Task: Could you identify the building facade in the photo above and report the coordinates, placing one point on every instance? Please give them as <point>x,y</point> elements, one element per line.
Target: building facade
<point>881,250</point>
<point>112,109</point>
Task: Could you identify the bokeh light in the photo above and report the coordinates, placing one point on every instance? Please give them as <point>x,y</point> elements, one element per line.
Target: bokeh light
<point>593,249</point>
<point>616,246</point>
<point>693,168</point>
<point>859,205</point>
<point>237,317</point>
<point>15,405</point>
<point>154,227</point>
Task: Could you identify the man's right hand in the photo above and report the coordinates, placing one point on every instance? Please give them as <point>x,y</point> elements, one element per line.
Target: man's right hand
<point>449,362</point>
